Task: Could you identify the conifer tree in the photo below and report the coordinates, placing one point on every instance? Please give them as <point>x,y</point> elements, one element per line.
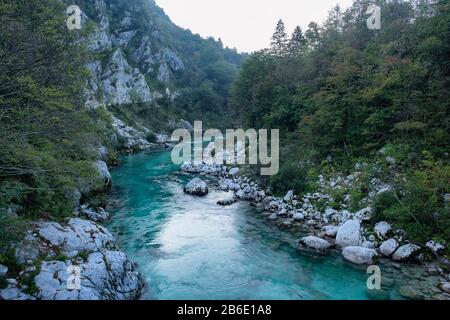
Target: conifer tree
<point>297,42</point>
<point>312,35</point>
<point>279,40</point>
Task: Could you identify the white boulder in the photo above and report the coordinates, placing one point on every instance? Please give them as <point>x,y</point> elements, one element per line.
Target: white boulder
<point>289,196</point>
<point>233,172</point>
<point>349,234</point>
<point>405,252</point>
<point>3,270</point>
<point>90,250</point>
<point>196,187</point>
<point>229,199</point>
<point>388,247</point>
<point>227,184</point>
<point>97,215</point>
<point>368,244</point>
<point>382,229</point>
<point>360,255</point>
<point>445,286</point>
<point>330,212</point>
<point>315,243</point>
<point>103,171</point>
<point>435,247</point>
<point>364,214</point>
<point>298,216</point>
<point>330,231</point>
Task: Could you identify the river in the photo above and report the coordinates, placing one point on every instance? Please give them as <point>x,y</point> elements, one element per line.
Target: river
<point>191,248</point>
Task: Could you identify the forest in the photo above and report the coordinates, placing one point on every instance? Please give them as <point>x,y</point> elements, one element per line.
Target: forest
<point>342,95</point>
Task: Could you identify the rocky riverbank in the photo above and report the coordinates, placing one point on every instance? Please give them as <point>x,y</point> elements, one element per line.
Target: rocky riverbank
<point>52,253</point>
<point>76,259</point>
<point>353,234</point>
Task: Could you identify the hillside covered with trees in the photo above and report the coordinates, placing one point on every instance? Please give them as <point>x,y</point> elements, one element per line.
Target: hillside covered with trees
<point>343,95</point>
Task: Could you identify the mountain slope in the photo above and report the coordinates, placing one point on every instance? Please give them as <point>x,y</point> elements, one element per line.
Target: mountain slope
<point>160,71</point>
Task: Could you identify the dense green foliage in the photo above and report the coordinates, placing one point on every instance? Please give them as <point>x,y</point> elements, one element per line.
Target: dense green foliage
<point>46,135</point>
<point>345,91</point>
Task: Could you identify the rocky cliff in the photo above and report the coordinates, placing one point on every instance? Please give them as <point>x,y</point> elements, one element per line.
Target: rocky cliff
<point>143,64</point>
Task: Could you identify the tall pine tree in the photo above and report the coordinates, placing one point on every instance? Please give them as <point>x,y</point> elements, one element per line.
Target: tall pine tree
<point>297,43</point>
<point>313,35</point>
<point>279,42</point>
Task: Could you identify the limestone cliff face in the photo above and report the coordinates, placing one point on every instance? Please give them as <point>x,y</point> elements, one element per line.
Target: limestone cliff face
<point>126,61</point>
<point>133,55</point>
<point>141,58</point>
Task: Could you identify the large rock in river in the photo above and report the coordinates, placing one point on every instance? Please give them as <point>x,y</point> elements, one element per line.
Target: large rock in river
<point>360,255</point>
<point>229,199</point>
<point>196,187</point>
<point>315,243</point>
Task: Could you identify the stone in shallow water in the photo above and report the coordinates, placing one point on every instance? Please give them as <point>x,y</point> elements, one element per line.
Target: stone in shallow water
<point>445,286</point>
<point>434,269</point>
<point>196,187</point>
<point>360,255</point>
<point>375,294</point>
<point>228,200</point>
<point>315,243</point>
<point>409,292</point>
<point>387,282</point>
<point>405,252</point>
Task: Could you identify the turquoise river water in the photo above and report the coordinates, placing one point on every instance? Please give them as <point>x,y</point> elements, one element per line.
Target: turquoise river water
<point>191,248</point>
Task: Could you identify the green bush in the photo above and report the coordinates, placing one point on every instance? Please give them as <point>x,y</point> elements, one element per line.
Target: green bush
<point>417,202</point>
<point>291,175</point>
<point>12,229</point>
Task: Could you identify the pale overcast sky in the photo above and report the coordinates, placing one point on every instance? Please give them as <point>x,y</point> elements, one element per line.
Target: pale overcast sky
<point>246,24</point>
